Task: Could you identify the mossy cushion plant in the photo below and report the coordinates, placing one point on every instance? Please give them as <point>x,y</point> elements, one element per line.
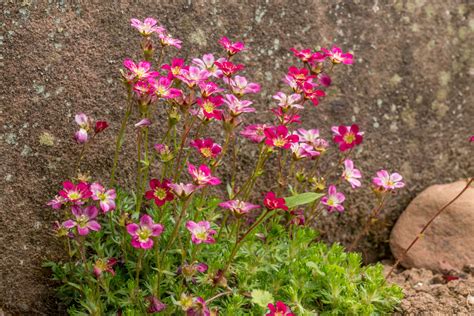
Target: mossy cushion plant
<point>178,244</point>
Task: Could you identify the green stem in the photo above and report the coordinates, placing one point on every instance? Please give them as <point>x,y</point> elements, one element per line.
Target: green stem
<point>120,136</point>
<point>139,171</point>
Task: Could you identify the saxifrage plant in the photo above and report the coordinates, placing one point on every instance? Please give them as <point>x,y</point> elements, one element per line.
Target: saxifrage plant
<point>176,245</point>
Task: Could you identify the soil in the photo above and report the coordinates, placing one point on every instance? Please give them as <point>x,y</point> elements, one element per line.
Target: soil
<point>428,293</point>
<point>409,90</point>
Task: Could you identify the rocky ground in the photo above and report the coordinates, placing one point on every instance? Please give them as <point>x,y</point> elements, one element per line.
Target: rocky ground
<point>428,293</point>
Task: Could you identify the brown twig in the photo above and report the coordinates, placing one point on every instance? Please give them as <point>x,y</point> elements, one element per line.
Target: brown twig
<point>420,234</point>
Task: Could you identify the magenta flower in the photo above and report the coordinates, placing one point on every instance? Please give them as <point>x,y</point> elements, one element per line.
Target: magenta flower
<point>198,308</point>
<point>201,232</point>
<point>279,309</point>
<point>228,68</point>
<point>207,63</point>
<point>385,181</point>
<point>240,86</point>
<point>231,48</point>
<point>279,137</point>
<point>305,55</point>
<point>193,76</point>
<point>351,174</point>
<point>333,200</point>
<point>286,118</point>
<point>254,132</point>
<point>209,88</point>
<point>210,106</point>
<point>303,150</point>
<point>168,40</point>
<point>162,88</point>
<point>143,90</point>
<point>298,218</point>
<point>300,75</point>
<point>324,79</point>
<point>81,136</point>
<point>160,192</point>
<point>288,101</point>
<point>206,147</point>
<point>147,27</point>
<point>139,71</point>
<point>100,126</point>
<point>175,68</point>
<point>471,139</point>
<point>347,136</point>
<point>75,193</point>
<point>272,202</point>
<point>236,106</point>
<point>202,175</point>
<point>182,190</point>
<point>57,202</point>
<point>337,56</point>
<point>237,207</point>
<point>142,234</point>
<point>311,93</point>
<point>103,265</point>
<point>106,197</point>
<point>85,220</point>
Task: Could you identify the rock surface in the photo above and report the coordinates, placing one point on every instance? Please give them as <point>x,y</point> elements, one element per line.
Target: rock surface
<point>413,73</point>
<point>448,244</point>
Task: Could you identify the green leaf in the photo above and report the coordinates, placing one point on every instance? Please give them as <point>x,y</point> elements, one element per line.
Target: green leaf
<point>261,298</point>
<point>302,198</point>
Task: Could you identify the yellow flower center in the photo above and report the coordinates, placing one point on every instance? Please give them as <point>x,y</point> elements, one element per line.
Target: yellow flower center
<point>206,152</point>
<point>144,234</point>
<point>349,138</point>
<point>279,142</point>
<point>82,221</point>
<point>160,193</point>
<point>208,107</point>
<point>202,235</point>
<point>74,195</point>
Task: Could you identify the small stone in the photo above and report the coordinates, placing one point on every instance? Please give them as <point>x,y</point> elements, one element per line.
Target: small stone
<point>46,139</point>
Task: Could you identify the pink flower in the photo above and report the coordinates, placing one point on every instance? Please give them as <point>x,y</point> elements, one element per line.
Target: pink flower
<point>209,88</point>
<point>210,106</point>
<point>300,75</point>
<point>231,48</point>
<point>147,27</point>
<point>102,265</point>
<point>308,135</point>
<point>236,106</point>
<point>347,136</point>
<point>351,174</point>
<point>202,175</point>
<point>288,101</point>
<point>201,232</point>
<point>143,123</point>
<point>387,182</point>
<point>337,56</point>
<point>206,147</point>
<point>160,192</point>
<point>303,150</point>
<point>84,220</point>
<point>298,218</point>
<point>139,71</point>
<point>271,202</point>
<point>168,40</point>
<point>324,79</point>
<point>142,234</point>
<point>333,200</point>
<point>155,306</point>
<point>279,137</point>
<point>182,190</point>
<point>175,68</point>
<point>240,86</point>
<point>193,76</point>
<point>471,139</point>
<point>143,90</point>
<point>279,309</point>
<point>207,63</point>
<point>81,136</point>
<point>75,193</point>
<point>106,197</point>
<point>57,202</point>
<point>198,308</point>
<point>228,68</point>
<point>238,207</point>
<point>162,88</point>
<point>254,132</point>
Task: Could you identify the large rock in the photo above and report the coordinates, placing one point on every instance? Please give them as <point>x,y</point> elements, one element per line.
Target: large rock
<point>449,242</point>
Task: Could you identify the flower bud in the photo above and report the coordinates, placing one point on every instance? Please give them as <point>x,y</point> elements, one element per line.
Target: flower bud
<point>100,126</point>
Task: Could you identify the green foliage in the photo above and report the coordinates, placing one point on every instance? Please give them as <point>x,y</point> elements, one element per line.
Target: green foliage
<point>277,261</point>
